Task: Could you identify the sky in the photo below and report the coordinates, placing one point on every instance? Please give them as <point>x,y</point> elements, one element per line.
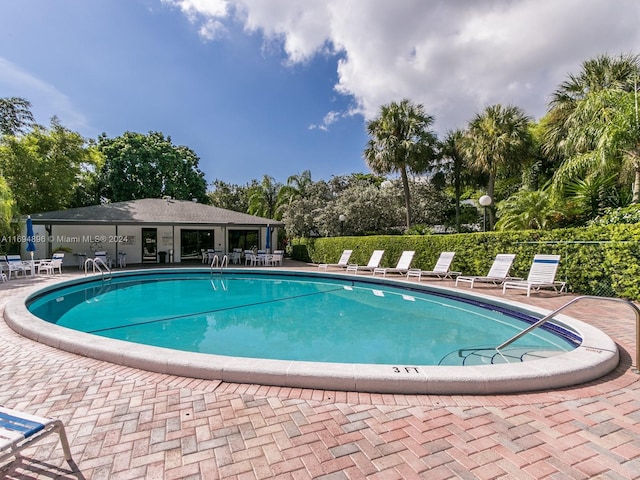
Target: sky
<point>277,87</point>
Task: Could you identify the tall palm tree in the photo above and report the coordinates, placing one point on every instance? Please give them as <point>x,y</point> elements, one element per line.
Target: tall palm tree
<point>400,142</point>
<point>453,158</point>
<point>494,138</point>
<point>597,74</point>
<point>263,198</point>
<point>603,138</point>
<point>296,187</point>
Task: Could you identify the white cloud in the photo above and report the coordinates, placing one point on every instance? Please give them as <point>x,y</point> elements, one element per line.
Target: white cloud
<point>455,58</point>
<point>328,119</point>
<point>45,99</point>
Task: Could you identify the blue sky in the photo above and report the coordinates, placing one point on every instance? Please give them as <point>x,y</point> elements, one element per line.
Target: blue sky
<point>277,87</point>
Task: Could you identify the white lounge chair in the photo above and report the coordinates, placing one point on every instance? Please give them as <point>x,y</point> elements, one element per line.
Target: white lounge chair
<point>374,262</point>
<point>441,270</point>
<point>18,430</point>
<point>542,274</point>
<point>498,272</point>
<point>343,262</point>
<point>50,266</point>
<point>402,267</point>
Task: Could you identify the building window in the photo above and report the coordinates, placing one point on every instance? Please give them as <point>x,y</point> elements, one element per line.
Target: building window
<point>192,242</point>
<point>243,239</point>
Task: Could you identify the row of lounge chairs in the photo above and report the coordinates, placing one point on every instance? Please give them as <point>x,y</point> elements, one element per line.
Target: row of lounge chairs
<point>541,274</point>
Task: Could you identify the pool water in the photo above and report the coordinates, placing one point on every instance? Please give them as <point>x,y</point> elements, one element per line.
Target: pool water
<point>288,317</point>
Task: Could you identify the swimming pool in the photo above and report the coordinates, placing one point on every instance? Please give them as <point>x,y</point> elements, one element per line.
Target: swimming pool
<point>354,336</point>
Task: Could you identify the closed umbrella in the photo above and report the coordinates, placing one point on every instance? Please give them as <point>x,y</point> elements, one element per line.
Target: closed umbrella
<point>31,245</point>
<point>268,237</point>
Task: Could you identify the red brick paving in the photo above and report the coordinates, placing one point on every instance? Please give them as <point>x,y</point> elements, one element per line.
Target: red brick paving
<point>130,424</point>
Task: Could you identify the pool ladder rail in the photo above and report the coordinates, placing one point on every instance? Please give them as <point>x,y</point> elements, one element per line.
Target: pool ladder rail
<point>548,317</point>
<point>98,265</point>
<point>217,264</point>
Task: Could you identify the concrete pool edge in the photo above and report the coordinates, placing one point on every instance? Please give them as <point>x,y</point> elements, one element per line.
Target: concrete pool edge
<point>597,356</point>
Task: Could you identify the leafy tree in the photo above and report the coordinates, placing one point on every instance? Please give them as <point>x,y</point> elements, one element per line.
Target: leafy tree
<point>263,198</point>
<point>368,209</point>
<point>149,166</point>
<point>7,209</point>
<point>495,138</point>
<point>44,167</point>
<point>401,142</point>
<point>230,196</point>
<point>15,116</point>
<point>301,215</point>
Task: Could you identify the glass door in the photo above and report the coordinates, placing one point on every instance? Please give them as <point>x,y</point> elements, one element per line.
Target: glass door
<point>149,245</point>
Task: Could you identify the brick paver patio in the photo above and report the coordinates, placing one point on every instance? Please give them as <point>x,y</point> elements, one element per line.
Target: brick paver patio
<point>125,423</point>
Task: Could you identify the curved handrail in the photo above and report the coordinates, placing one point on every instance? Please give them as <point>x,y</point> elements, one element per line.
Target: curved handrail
<point>97,264</point>
<point>548,317</point>
<point>216,263</point>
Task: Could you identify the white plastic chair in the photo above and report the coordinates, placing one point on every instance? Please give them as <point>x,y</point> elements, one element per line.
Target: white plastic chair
<point>50,266</point>
<point>343,262</point>
<point>440,271</point>
<point>498,272</point>
<point>374,262</point>
<point>402,267</point>
<point>542,274</point>
<point>18,430</point>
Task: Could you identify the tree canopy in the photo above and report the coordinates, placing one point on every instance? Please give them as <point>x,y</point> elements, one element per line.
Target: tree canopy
<point>149,166</point>
<point>401,142</point>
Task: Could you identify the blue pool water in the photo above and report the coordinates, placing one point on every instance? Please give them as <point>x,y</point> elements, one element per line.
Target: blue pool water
<point>288,317</point>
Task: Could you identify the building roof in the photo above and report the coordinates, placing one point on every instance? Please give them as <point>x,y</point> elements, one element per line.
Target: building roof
<point>151,211</point>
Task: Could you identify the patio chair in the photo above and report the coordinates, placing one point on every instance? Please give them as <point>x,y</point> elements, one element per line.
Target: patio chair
<point>15,264</point>
<point>250,258</point>
<point>542,274</point>
<point>104,258</point>
<point>50,266</point>
<point>402,267</point>
<point>497,273</point>
<point>277,258</point>
<point>440,271</point>
<point>374,262</point>
<point>343,262</point>
<point>18,430</point>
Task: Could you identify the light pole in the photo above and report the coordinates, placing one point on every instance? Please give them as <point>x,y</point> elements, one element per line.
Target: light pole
<point>342,218</point>
<point>485,201</point>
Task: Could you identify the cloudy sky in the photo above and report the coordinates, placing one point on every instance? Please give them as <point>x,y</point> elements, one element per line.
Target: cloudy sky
<point>277,87</point>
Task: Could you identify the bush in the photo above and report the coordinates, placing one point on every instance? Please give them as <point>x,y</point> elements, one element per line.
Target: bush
<point>595,260</point>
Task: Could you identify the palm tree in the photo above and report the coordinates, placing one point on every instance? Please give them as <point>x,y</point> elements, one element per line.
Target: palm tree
<point>451,153</point>
<point>603,138</point>
<point>527,210</point>
<point>494,138</point>
<point>296,187</point>
<point>598,74</point>
<point>400,142</point>
<point>263,198</point>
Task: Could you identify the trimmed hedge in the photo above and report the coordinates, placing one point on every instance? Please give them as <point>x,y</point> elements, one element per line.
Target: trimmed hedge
<point>596,260</point>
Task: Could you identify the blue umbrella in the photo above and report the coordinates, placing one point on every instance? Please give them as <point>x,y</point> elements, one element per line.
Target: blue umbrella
<point>31,245</point>
<point>268,237</point>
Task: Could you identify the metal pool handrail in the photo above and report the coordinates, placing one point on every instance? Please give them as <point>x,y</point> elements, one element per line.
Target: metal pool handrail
<point>548,317</point>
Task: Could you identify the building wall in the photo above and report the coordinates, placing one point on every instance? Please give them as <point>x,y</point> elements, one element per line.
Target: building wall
<point>83,240</point>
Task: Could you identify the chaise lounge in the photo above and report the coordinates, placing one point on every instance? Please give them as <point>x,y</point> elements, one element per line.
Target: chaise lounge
<point>18,430</point>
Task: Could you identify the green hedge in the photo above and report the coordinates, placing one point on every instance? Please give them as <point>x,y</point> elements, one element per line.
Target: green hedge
<point>596,260</point>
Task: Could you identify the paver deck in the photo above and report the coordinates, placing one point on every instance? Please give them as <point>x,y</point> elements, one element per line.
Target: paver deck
<point>129,424</point>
